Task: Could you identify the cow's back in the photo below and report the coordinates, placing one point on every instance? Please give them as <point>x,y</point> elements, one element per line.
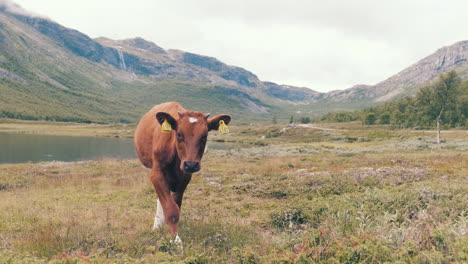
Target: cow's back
<point>148,131</point>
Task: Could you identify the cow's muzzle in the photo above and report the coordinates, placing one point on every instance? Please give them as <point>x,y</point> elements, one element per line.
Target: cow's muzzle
<point>191,166</point>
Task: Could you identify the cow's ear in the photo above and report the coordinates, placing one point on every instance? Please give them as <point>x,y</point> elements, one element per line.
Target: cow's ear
<point>213,123</point>
<point>161,116</point>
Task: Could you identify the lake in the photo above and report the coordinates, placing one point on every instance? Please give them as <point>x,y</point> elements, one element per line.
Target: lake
<point>18,148</point>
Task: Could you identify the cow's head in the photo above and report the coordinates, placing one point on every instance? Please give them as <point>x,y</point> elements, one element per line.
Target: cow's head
<point>191,132</point>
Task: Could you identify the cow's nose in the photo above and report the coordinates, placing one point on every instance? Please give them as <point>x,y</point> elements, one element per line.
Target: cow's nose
<point>191,166</point>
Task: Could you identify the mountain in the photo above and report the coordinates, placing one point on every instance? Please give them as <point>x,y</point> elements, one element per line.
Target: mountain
<point>407,82</point>
<point>48,71</point>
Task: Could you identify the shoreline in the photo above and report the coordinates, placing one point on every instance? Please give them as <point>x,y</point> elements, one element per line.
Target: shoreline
<point>66,129</point>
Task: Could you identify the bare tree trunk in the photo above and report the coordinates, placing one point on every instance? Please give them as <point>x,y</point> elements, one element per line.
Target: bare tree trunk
<point>438,131</point>
<point>438,125</point>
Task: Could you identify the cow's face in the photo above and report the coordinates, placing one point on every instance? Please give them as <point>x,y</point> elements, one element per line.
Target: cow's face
<point>191,131</point>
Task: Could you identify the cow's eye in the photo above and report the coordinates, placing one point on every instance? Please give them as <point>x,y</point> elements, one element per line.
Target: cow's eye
<point>180,136</point>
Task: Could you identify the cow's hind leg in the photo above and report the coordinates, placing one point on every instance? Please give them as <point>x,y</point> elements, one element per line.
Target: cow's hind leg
<point>159,219</point>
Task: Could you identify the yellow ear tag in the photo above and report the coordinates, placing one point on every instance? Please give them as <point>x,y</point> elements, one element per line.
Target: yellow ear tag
<point>223,128</point>
<point>166,127</point>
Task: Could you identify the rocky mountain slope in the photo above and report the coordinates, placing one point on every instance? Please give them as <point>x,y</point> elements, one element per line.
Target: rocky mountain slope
<point>48,71</point>
<point>406,82</point>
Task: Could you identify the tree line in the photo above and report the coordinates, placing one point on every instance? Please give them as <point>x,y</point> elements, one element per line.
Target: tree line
<point>443,103</point>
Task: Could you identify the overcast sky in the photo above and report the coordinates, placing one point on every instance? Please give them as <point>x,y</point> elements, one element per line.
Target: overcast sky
<point>323,45</point>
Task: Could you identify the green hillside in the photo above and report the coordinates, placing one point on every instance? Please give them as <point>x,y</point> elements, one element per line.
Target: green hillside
<point>43,80</point>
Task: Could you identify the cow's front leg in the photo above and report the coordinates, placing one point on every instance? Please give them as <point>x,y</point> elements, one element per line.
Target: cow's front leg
<point>179,194</point>
<point>159,219</point>
<point>170,210</point>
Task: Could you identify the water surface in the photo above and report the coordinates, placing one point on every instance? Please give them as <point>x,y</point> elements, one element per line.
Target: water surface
<point>19,148</point>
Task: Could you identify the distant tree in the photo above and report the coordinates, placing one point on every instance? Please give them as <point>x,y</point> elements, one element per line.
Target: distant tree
<point>291,120</point>
<point>439,101</point>
<point>463,104</point>
<point>370,119</point>
<point>340,116</point>
<point>385,119</point>
<point>274,121</point>
<point>305,120</point>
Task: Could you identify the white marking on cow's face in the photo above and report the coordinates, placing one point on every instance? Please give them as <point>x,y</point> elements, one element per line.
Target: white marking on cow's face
<point>192,120</point>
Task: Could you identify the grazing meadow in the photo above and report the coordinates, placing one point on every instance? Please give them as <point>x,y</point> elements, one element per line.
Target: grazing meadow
<point>317,193</point>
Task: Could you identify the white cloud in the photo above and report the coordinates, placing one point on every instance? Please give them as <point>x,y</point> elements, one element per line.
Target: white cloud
<point>12,7</point>
<point>323,45</point>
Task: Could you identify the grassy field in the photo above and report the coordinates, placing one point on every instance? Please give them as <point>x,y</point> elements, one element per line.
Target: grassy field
<point>329,194</point>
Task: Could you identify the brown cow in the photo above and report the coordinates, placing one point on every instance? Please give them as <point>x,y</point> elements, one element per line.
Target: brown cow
<point>172,156</point>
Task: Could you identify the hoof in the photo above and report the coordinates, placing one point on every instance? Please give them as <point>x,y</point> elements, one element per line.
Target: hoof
<point>177,242</point>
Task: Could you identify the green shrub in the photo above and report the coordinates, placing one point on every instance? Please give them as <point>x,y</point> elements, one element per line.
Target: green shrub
<point>369,119</point>
<point>385,119</point>
<point>305,120</point>
<point>288,218</point>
